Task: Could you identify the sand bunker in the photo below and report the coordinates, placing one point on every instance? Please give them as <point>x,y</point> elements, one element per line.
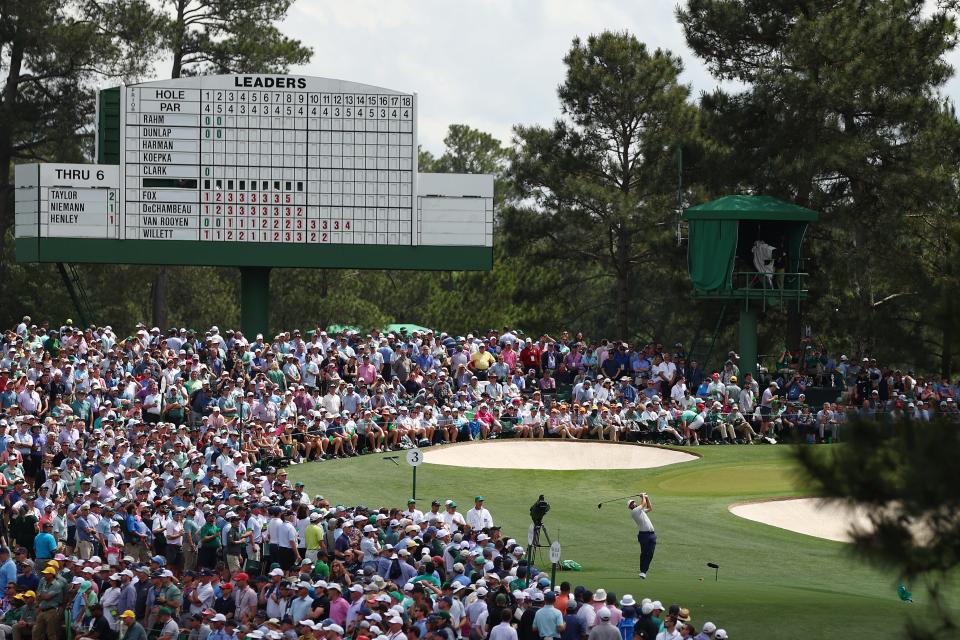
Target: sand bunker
<point>553,455</point>
<point>809,516</point>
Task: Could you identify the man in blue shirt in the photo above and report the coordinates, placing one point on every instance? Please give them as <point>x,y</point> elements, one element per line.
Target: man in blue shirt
<point>548,621</point>
<point>218,633</point>
<point>85,533</point>
<point>574,627</point>
<point>8,569</point>
<point>424,359</point>
<point>45,545</point>
<point>626,390</point>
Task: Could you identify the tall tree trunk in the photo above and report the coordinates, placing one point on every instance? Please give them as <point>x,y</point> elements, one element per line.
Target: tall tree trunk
<point>946,317</point>
<point>623,273</point>
<point>7,105</point>
<point>946,358</point>
<point>623,305</point>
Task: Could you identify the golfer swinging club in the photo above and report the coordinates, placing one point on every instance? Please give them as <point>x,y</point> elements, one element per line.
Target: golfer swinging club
<point>645,533</point>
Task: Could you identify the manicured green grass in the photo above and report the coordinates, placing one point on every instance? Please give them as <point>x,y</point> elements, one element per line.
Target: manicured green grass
<point>773,583</point>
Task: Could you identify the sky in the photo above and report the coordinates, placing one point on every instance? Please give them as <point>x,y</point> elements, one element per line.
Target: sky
<point>486,63</point>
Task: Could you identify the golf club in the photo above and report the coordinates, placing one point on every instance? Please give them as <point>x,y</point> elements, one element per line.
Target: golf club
<point>636,495</point>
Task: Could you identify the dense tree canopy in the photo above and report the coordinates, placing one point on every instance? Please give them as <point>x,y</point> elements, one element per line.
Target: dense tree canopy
<point>841,112</point>
<point>603,178</point>
<point>836,106</point>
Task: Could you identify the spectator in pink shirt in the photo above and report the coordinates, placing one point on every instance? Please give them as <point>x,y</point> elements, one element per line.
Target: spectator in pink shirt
<point>367,371</point>
<point>338,605</point>
<point>510,355</point>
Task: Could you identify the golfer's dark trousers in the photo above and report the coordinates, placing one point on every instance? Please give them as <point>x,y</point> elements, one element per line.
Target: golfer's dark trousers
<point>648,544</point>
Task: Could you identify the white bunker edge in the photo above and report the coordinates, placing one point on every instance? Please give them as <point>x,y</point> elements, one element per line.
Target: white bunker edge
<point>820,518</point>
<point>808,516</point>
<point>553,455</point>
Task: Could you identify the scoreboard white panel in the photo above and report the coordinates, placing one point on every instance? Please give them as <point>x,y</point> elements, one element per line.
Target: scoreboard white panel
<point>455,209</point>
<point>26,199</point>
<point>263,158</point>
<point>67,200</point>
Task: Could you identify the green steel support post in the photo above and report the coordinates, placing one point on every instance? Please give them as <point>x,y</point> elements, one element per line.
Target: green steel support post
<point>255,301</point>
<point>748,342</point>
<point>74,295</point>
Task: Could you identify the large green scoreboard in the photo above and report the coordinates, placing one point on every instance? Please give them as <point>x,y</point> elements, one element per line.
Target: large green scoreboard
<point>255,171</point>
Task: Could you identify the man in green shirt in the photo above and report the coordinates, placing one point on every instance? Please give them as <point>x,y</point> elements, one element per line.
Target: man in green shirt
<point>193,383</point>
<point>15,611</point>
<point>169,595</point>
<point>692,420</point>
<point>26,616</point>
<point>51,591</point>
<point>191,538</point>
<point>209,543</point>
<point>427,575</point>
<point>81,408</point>
<point>321,570</point>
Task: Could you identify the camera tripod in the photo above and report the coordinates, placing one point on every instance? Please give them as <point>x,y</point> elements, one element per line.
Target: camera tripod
<point>535,536</point>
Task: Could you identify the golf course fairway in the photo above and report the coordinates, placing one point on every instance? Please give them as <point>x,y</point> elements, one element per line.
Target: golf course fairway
<point>772,583</point>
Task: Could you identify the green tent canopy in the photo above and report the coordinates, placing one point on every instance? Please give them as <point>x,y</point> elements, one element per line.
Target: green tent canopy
<point>340,328</point>
<point>715,231</point>
<point>765,208</point>
<point>401,327</point>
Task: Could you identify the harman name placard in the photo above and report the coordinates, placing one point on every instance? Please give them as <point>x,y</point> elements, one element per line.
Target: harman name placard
<point>262,158</point>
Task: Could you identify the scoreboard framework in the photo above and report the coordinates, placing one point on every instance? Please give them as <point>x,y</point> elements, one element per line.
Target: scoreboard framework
<point>258,170</point>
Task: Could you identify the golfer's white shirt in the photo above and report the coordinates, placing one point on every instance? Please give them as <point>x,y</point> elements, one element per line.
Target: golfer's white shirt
<point>479,518</point>
<point>640,516</point>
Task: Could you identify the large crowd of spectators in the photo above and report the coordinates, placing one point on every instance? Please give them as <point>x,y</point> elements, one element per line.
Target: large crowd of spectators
<point>145,494</point>
<point>314,396</point>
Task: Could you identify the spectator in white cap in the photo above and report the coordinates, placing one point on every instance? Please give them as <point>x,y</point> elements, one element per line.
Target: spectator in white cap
<point>548,621</point>
<point>370,547</point>
<point>648,625</point>
<point>604,629</point>
<point>707,632</point>
<point>395,630</point>
<point>302,605</point>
